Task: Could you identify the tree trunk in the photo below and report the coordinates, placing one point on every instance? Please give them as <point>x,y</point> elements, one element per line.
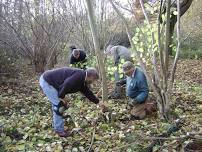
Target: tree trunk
<point>184,6</point>
<point>164,105</point>
<point>1,12</point>
<point>97,48</point>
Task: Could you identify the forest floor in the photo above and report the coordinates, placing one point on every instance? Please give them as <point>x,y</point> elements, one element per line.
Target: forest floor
<point>26,119</point>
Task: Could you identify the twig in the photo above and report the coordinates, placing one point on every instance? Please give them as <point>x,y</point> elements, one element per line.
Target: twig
<point>173,138</point>
<point>5,73</point>
<point>174,128</point>
<point>92,139</point>
<point>75,123</point>
<point>174,67</point>
<point>188,136</point>
<point>188,35</point>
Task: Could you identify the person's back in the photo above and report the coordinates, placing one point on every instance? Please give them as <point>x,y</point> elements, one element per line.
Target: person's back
<point>78,56</point>
<point>120,52</point>
<point>57,77</point>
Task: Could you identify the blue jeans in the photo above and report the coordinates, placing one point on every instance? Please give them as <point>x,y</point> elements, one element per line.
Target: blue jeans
<point>52,95</point>
<point>116,75</point>
<point>117,89</point>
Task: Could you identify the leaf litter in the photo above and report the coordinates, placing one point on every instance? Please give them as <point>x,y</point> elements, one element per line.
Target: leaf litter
<point>26,118</point>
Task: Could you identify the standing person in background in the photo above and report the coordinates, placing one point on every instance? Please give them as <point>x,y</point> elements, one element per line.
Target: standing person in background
<point>117,53</point>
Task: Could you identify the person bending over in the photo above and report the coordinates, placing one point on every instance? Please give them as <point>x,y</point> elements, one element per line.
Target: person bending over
<point>57,83</point>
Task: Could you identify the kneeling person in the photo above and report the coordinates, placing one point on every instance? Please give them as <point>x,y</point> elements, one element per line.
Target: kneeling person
<point>136,89</point>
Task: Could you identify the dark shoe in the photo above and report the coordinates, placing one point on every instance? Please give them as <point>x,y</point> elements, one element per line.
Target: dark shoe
<point>125,119</point>
<point>134,117</point>
<point>130,118</point>
<point>65,133</point>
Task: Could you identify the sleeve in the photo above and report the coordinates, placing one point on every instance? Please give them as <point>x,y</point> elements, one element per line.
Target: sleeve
<point>141,97</point>
<point>143,88</point>
<point>116,56</point>
<point>121,82</point>
<point>72,60</point>
<point>89,94</point>
<point>83,56</point>
<point>68,85</point>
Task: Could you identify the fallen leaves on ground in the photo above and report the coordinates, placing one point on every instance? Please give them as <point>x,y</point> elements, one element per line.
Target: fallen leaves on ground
<point>26,118</point>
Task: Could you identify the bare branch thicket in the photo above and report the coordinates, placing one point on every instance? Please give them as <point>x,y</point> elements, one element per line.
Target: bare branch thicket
<point>41,33</point>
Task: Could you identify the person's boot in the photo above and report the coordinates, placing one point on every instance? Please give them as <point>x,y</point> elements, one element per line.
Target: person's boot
<point>65,133</point>
<point>151,106</point>
<point>138,117</point>
<point>138,112</point>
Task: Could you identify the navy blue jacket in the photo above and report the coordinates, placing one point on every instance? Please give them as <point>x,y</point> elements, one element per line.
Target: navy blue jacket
<point>69,80</point>
<point>82,58</point>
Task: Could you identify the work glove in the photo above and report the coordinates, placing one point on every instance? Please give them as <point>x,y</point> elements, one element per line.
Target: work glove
<point>60,108</point>
<point>121,82</point>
